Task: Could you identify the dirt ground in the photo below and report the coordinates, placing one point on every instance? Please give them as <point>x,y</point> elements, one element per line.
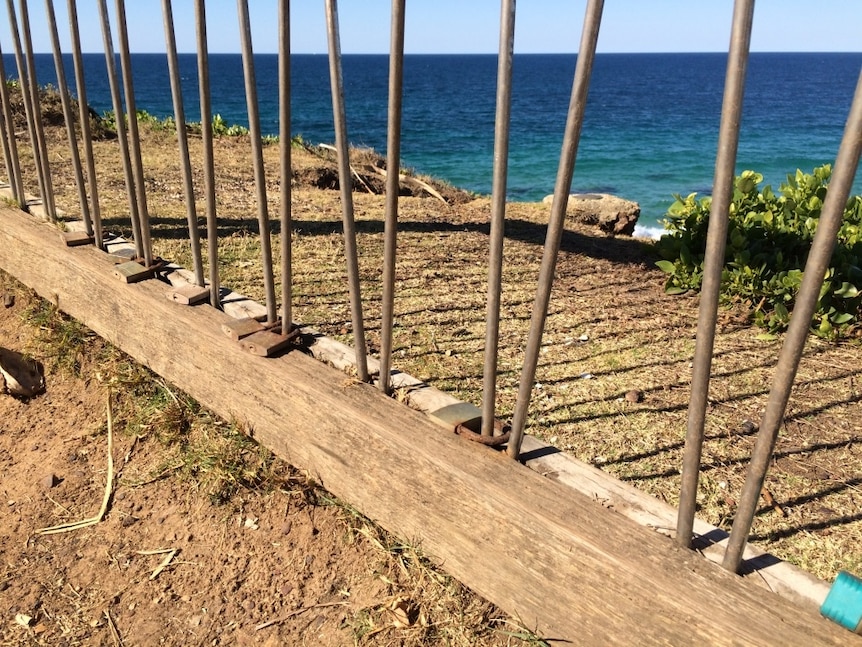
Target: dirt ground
<point>282,564</point>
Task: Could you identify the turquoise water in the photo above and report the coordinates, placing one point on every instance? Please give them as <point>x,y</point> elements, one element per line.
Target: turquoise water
<point>651,126</point>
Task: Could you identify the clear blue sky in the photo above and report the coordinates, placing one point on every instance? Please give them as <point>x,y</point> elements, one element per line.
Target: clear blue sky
<point>468,26</point>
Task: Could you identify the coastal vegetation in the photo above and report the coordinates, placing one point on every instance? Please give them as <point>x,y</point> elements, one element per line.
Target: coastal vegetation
<point>769,237</point>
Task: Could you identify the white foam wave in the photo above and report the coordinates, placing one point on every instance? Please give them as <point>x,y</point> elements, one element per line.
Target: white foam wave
<point>653,233</point>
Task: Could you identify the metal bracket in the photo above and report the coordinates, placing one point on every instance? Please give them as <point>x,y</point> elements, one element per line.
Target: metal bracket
<point>132,272</point>
<point>238,329</point>
<point>266,343</point>
<point>465,419</point>
<point>459,414</point>
<point>76,238</point>
<point>188,295</point>
<point>488,441</point>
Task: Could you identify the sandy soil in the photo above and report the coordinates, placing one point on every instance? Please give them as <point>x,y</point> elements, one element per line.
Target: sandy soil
<point>268,567</point>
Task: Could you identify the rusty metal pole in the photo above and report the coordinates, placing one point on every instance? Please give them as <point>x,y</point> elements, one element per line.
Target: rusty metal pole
<point>393,187</point>
<point>32,112</point>
<point>183,141</point>
<point>832,214</point>
<point>84,118</point>
<point>7,150</point>
<point>11,141</point>
<point>498,212</point>
<point>716,242</point>
<point>209,164</point>
<point>134,135</point>
<point>344,179</point>
<point>48,197</point>
<point>568,155</point>
<point>259,172</point>
<point>69,117</point>
<point>122,139</point>
<point>284,142</point>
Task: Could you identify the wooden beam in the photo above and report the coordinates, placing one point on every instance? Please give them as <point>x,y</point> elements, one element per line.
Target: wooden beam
<point>562,563</point>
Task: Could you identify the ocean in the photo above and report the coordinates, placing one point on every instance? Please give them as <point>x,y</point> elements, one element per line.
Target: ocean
<point>651,126</point>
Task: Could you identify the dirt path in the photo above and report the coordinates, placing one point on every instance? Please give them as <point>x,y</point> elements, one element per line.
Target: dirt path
<point>272,567</point>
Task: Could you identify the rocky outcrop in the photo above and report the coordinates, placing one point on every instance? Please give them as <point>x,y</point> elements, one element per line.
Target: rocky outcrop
<point>612,215</point>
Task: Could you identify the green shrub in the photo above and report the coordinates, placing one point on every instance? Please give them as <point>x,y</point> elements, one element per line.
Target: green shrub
<point>769,237</point>
<point>222,128</point>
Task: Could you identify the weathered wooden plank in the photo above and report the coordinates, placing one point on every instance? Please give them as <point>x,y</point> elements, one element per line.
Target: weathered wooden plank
<point>781,577</point>
<point>558,560</point>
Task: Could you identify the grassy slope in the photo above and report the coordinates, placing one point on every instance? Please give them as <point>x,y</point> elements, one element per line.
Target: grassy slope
<point>610,330</point>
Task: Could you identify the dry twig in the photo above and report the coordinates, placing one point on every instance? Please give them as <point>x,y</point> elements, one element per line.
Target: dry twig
<point>109,486</point>
<point>115,635</point>
<point>292,614</point>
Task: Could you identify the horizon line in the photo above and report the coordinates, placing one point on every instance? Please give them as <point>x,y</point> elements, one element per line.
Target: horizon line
<point>664,53</point>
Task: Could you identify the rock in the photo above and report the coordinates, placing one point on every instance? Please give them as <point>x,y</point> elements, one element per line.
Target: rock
<point>49,481</point>
<point>611,214</point>
<point>20,375</point>
<point>747,427</point>
<point>634,396</point>
<point>8,300</point>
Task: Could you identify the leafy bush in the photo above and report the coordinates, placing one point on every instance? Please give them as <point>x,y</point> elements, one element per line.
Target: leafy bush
<point>769,237</point>
<point>220,128</point>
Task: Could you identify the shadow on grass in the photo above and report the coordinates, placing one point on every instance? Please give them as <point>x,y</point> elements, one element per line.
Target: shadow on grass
<point>618,250</point>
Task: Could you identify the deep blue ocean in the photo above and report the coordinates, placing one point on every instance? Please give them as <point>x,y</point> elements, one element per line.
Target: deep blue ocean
<point>651,126</point>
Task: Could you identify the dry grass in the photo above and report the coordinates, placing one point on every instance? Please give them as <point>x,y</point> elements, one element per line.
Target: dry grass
<point>610,330</point>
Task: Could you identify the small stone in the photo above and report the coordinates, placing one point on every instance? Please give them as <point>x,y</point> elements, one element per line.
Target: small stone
<point>285,527</point>
<point>634,396</point>
<point>128,520</point>
<point>195,621</point>
<point>48,481</point>
<point>747,427</point>
<point>8,300</point>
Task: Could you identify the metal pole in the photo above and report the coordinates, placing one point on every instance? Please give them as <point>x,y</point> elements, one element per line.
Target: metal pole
<point>498,212</point>
<point>209,165</point>
<point>7,151</point>
<point>48,196</point>
<point>344,179</point>
<point>816,266</point>
<point>256,145</point>
<point>183,141</point>
<point>11,141</point>
<point>134,135</point>
<point>68,115</point>
<point>284,143</point>
<point>571,138</point>
<point>119,118</point>
<point>84,116</point>
<point>393,187</point>
<point>716,241</point>
<point>30,109</point>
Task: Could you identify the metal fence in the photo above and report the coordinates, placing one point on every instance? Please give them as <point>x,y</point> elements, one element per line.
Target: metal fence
<point>278,329</point>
